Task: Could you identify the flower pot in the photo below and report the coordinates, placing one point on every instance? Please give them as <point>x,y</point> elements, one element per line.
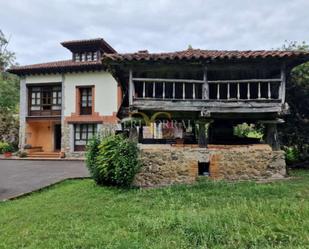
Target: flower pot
<point>7,154</point>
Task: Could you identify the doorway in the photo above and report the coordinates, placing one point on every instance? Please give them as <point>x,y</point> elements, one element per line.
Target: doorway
<point>57,137</point>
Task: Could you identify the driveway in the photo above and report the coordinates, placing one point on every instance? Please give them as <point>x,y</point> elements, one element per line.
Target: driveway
<point>23,176</point>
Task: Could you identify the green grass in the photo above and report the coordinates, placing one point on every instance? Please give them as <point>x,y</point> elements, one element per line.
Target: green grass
<point>79,214</point>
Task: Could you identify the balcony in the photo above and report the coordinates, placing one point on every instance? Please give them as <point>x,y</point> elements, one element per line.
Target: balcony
<point>44,101</point>
<point>217,96</point>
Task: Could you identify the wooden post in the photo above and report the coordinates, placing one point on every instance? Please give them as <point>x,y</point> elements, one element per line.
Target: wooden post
<point>283,83</point>
<point>131,87</point>
<point>202,139</point>
<point>163,91</point>
<point>272,136</point>
<point>205,85</point>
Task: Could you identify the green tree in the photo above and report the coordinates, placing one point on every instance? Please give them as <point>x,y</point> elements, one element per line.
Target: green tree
<point>9,95</point>
<point>295,132</point>
<point>9,85</point>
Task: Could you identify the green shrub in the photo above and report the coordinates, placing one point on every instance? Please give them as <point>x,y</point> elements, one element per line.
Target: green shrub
<point>91,157</point>
<point>292,155</point>
<point>113,161</point>
<point>4,146</point>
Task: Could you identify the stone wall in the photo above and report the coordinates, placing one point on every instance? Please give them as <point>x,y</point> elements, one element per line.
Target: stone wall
<point>165,164</point>
<point>67,138</point>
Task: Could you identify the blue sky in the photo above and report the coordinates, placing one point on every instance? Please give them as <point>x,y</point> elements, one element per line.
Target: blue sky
<point>36,27</point>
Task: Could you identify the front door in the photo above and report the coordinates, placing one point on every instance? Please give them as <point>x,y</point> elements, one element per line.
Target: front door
<point>57,136</point>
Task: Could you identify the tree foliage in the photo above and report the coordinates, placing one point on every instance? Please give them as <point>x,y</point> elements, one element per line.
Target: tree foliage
<point>294,133</point>
<point>9,95</point>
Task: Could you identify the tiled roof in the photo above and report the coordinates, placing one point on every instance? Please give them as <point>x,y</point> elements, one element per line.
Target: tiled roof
<point>100,42</point>
<point>56,66</point>
<point>198,54</point>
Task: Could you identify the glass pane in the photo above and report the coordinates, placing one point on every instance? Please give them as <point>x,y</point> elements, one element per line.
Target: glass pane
<point>89,102</point>
<point>54,95</point>
<point>38,101</point>
<point>90,135</point>
<point>84,98</point>
<point>38,95</point>
<point>84,135</point>
<point>59,101</point>
<point>32,101</point>
<point>90,128</point>
<point>36,89</point>
<point>54,101</point>
<point>59,94</point>
<point>33,95</point>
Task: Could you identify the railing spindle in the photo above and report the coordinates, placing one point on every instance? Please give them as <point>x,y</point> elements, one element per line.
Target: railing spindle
<point>183,91</point>
<point>163,91</point>
<point>248,90</point>
<point>218,91</point>
<point>193,91</point>
<point>259,90</point>
<point>154,90</point>
<point>269,92</point>
<point>144,89</point>
<point>228,91</point>
<point>238,92</point>
<point>173,90</point>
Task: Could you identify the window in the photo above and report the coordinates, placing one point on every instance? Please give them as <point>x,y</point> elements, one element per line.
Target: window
<point>86,101</point>
<point>77,57</point>
<point>95,56</point>
<point>45,100</point>
<point>83,57</point>
<point>57,98</point>
<point>82,134</point>
<point>89,56</point>
<point>35,98</point>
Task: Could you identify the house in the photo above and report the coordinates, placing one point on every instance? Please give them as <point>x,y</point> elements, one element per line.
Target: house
<point>63,103</point>
<point>190,102</point>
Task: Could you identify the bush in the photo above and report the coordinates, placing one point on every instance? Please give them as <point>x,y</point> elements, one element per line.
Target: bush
<point>113,160</point>
<point>6,147</point>
<point>3,145</point>
<point>91,158</point>
<point>292,155</point>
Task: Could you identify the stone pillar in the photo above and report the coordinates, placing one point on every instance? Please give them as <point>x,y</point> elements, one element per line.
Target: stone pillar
<point>272,136</point>
<point>23,109</point>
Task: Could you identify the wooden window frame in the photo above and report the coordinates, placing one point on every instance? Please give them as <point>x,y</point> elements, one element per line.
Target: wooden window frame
<point>84,129</point>
<point>44,100</point>
<point>79,108</point>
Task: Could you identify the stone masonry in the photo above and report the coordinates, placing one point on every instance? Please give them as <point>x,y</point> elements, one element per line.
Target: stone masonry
<point>166,164</point>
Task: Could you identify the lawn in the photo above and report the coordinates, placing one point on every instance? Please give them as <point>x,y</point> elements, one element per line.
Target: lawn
<point>79,214</point>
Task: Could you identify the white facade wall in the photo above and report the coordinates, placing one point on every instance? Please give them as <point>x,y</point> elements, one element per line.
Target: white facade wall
<point>105,91</point>
<point>46,78</point>
<point>104,83</point>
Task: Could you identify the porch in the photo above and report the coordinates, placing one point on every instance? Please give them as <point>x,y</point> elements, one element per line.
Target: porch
<point>43,138</point>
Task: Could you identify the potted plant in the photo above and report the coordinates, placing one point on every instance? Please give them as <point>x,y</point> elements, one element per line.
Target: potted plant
<point>7,150</point>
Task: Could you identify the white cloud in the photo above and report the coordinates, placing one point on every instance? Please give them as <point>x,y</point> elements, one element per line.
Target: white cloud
<point>37,27</point>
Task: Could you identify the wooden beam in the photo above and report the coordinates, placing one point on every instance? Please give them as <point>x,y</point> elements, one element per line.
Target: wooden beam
<point>283,83</point>
<point>131,87</point>
<point>205,94</point>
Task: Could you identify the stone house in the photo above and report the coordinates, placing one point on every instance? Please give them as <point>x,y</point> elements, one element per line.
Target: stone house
<point>185,107</point>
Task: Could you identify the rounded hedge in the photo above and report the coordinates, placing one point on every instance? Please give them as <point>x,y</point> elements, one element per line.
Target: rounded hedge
<point>113,160</point>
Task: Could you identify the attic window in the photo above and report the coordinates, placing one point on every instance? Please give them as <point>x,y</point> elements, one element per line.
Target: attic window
<point>85,56</point>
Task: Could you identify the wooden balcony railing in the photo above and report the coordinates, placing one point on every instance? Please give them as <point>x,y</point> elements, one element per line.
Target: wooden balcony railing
<point>220,90</point>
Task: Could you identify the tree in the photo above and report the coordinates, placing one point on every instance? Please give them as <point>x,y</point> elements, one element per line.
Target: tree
<point>9,95</point>
<point>295,132</point>
<point>9,85</point>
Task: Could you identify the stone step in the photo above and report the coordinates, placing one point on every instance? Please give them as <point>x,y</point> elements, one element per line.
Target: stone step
<point>43,154</point>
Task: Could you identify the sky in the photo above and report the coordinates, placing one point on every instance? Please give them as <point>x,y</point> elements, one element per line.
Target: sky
<point>35,28</point>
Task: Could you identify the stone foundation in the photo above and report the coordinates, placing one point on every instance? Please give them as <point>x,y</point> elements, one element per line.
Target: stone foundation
<point>166,164</point>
